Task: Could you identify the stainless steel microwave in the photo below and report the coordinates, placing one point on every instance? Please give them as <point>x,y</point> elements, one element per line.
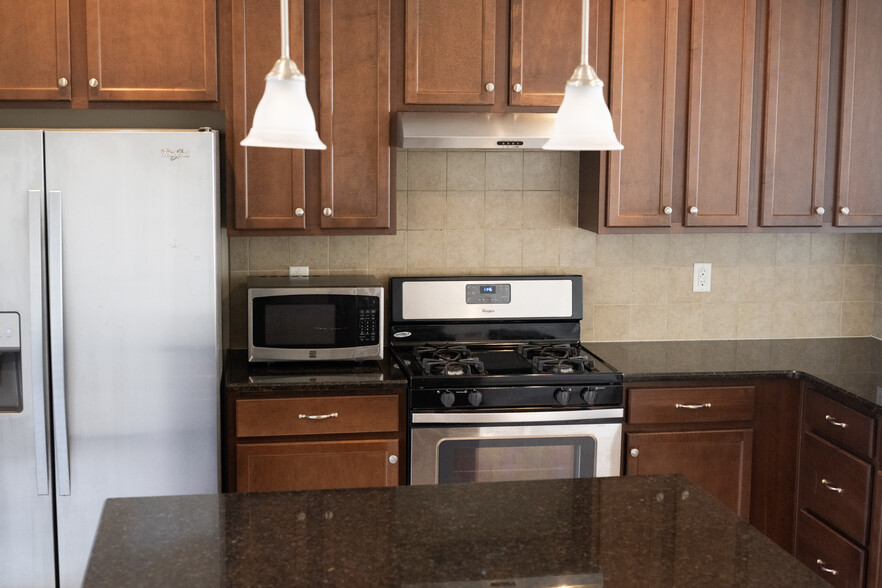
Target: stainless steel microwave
<point>318,318</point>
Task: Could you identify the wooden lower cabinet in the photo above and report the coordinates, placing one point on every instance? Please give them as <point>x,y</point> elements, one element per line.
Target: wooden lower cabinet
<point>269,467</point>
<point>836,559</point>
<point>718,460</point>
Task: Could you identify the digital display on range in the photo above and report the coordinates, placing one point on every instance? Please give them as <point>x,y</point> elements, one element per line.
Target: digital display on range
<point>488,293</point>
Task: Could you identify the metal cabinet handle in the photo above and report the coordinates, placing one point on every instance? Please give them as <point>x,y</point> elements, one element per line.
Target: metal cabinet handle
<point>693,210</point>
<point>635,452</point>
<point>298,212</point>
<point>829,487</point>
<point>62,82</point>
<point>844,210</point>
<point>517,88</point>
<point>834,422</point>
<point>318,417</point>
<point>93,82</point>
<point>823,565</point>
<point>693,406</point>
<point>393,459</point>
<point>327,212</point>
<point>820,210</point>
<point>668,210</point>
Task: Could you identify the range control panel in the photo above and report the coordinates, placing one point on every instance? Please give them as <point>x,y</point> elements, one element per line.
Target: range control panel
<point>488,293</point>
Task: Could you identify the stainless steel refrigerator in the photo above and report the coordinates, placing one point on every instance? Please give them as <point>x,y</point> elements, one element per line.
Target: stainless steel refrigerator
<point>110,336</point>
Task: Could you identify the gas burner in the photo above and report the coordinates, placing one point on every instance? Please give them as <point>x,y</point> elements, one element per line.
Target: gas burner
<point>570,365</point>
<point>442,352</point>
<point>461,367</point>
<point>556,351</point>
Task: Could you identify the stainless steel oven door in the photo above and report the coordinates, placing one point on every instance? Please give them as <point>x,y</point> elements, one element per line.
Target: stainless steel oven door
<point>451,447</point>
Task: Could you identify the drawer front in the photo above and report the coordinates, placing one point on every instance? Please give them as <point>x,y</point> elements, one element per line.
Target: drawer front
<point>834,422</point>
<point>690,405</point>
<point>825,551</point>
<point>328,415</point>
<point>835,486</point>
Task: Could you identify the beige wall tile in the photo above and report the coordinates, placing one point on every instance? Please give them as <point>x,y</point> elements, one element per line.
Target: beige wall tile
<point>612,322</point>
<point>824,283</point>
<point>877,322</point>
<point>615,250</point>
<point>648,322</point>
<point>651,249</point>
<point>426,210</point>
<point>503,210</point>
<point>860,249</point>
<point>613,285</point>
<point>790,284</point>
<point>649,285</point>
<point>578,248</point>
<point>719,320</point>
<point>788,319</point>
<point>542,170</point>
<point>759,249</point>
<point>687,249</point>
<point>857,319</point>
<point>465,249</point>
<point>401,210</point>
<point>505,170</point>
<point>401,169</point>
<point>723,249</point>
<point>502,248</point>
<point>466,170</point>
<point>426,250</point>
<point>426,170</point>
<point>793,249</point>
<point>541,210</point>
<point>541,248</point>
<point>859,283</point>
<point>755,283</point>
<point>724,284</point>
<point>569,210</point>
<point>348,253</point>
<point>828,248</point>
<point>823,319</point>
<point>239,254</point>
<point>569,170</point>
<point>465,210</point>
<point>312,252</point>
<point>680,285</point>
<point>388,251</point>
<point>754,320</point>
<point>267,253</point>
<point>683,321</point>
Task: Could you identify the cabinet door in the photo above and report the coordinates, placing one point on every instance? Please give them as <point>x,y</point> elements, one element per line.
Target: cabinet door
<point>544,50</point>
<point>642,87</point>
<point>718,461</point>
<point>152,50</point>
<point>271,467</point>
<point>354,114</point>
<point>450,51</point>
<point>858,201</point>
<point>720,102</point>
<point>795,134</point>
<point>34,50</point>
<point>269,183</point>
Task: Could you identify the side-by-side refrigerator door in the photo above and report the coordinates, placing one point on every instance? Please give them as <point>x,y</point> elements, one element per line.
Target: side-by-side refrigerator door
<point>132,235</point>
<point>27,546</point>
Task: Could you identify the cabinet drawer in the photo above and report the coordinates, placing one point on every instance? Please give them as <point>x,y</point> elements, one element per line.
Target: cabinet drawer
<point>690,405</point>
<point>835,486</point>
<point>845,427</point>
<point>819,547</point>
<point>269,417</point>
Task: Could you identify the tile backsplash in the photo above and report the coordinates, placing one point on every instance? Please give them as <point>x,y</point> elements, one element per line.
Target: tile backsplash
<point>514,212</point>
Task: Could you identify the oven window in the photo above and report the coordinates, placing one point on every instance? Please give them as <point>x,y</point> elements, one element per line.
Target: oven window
<point>515,459</point>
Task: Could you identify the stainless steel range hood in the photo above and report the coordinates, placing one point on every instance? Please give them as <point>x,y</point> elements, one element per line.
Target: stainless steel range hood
<point>474,130</point>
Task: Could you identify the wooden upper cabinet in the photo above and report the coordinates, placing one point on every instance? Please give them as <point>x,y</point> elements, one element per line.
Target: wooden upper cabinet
<point>270,189</point>
<point>795,134</point>
<point>152,50</point>
<point>859,194</point>
<point>720,102</point>
<point>34,50</point>
<point>543,51</point>
<point>642,94</point>
<point>354,114</point>
<point>450,51</point>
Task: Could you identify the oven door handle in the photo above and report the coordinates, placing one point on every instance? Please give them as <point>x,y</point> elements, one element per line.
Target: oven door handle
<point>532,416</point>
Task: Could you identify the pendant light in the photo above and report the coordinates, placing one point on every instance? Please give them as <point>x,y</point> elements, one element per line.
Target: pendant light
<point>283,117</point>
<point>583,122</point>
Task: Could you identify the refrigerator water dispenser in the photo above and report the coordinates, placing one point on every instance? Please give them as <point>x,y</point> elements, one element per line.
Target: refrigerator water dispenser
<point>10,362</point>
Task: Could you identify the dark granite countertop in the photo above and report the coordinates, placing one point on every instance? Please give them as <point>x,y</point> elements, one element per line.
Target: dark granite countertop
<point>629,531</point>
<point>849,369</point>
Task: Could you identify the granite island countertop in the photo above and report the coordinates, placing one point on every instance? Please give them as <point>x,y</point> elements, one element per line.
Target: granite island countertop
<point>628,531</point>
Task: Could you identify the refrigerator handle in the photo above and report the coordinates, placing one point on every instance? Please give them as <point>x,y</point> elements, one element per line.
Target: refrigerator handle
<point>36,316</point>
<point>56,342</point>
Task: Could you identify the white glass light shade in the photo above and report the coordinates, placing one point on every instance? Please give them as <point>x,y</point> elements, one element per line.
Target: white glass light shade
<point>583,122</point>
<point>284,117</point>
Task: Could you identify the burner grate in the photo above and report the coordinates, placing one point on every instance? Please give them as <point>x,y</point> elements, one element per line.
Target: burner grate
<point>442,352</point>
<point>579,364</point>
<point>459,367</point>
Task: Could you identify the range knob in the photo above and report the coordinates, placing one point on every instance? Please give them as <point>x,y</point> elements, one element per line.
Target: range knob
<point>447,398</point>
<point>589,395</point>
<point>475,397</point>
<point>562,396</point>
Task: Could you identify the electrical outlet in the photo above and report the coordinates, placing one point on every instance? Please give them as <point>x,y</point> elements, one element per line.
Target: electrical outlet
<point>701,277</point>
<point>298,271</point>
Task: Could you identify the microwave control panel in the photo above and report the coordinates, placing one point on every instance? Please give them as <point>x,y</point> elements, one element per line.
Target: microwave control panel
<point>368,320</point>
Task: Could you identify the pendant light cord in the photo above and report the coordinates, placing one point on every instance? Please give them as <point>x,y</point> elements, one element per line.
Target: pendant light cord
<point>585,16</point>
<point>286,51</point>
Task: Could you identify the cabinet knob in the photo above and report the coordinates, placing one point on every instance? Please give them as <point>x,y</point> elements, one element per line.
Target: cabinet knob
<point>517,88</point>
<point>62,82</point>
<point>93,82</point>
<point>820,210</point>
<point>693,210</point>
<point>635,452</point>
<point>298,212</point>
<point>489,87</point>
<point>668,210</point>
<point>393,459</point>
<point>327,212</point>
<point>844,210</point>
